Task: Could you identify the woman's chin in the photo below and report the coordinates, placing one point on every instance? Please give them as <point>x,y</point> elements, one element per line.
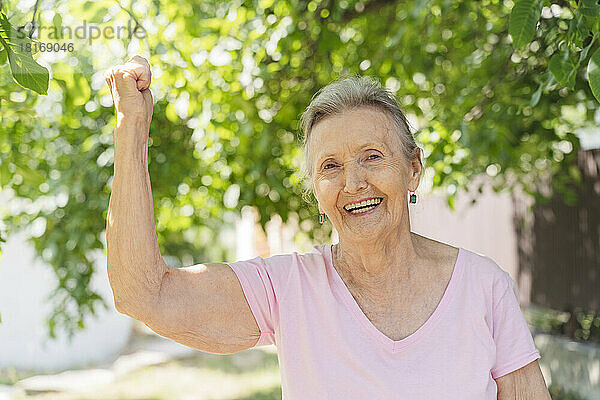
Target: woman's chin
<point>365,227</point>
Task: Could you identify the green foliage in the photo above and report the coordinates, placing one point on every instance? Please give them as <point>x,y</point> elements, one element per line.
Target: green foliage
<point>584,24</point>
<point>230,80</point>
<point>562,68</point>
<point>17,47</point>
<point>594,73</point>
<point>523,19</point>
<point>3,56</point>
<point>558,393</point>
<point>587,323</point>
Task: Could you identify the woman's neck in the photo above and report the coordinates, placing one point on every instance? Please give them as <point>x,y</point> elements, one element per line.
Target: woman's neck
<point>377,266</point>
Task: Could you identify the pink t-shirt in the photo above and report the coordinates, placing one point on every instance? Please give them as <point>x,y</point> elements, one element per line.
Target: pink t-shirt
<point>328,349</point>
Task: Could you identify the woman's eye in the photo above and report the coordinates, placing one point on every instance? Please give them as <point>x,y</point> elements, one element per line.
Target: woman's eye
<point>373,155</point>
<point>326,165</point>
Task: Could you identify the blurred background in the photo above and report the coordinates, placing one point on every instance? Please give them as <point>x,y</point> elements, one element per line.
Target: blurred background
<point>501,96</point>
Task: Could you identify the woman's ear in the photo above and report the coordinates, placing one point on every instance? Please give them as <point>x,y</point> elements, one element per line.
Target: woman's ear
<point>416,170</point>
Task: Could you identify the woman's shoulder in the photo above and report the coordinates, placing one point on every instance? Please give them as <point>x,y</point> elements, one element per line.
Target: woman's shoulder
<point>483,272</point>
<point>482,263</point>
<point>476,266</point>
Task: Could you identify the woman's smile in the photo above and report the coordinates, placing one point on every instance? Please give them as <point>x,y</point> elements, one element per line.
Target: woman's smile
<point>364,210</point>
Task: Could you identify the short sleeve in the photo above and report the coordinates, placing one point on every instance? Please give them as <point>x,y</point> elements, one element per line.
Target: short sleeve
<point>260,280</point>
<point>514,343</point>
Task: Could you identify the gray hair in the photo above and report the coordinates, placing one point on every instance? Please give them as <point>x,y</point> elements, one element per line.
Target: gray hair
<point>345,94</point>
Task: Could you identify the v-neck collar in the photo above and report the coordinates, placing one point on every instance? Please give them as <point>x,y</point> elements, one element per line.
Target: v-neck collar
<point>394,345</point>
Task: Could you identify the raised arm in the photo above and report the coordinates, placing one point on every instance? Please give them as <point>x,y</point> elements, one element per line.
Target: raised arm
<point>135,266</point>
<point>201,306</point>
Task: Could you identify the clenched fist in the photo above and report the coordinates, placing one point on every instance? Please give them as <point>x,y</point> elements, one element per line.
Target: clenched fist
<point>129,85</point>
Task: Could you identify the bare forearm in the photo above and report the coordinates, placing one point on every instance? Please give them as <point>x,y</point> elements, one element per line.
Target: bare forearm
<point>135,266</point>
<point>526,383</point>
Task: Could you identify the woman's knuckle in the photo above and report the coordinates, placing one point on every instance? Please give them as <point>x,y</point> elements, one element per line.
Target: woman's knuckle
<point>122,72</point>
<point>137,59</point>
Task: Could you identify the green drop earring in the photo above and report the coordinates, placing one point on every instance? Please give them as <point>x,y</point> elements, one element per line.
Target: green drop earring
<point>322,218</point>
<point>413,197</point>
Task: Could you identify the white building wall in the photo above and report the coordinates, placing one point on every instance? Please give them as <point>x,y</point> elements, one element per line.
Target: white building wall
<point>25,284</point>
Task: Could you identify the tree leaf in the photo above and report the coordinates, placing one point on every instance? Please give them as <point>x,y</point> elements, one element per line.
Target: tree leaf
<point>590,11</point>
<point>25,70</point>
<point>450,201</point>
<point>2,56</point>
<point>593,71</point>
<point>523,20</point>
<point>535,98</point>
<point>576,30</point>
<point>589,8</point>
<point>584,52</point>
<point>563,69</point>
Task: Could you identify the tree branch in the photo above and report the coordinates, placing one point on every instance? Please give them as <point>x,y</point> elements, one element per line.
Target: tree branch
<point>35,7</point>
<point>137,24</point>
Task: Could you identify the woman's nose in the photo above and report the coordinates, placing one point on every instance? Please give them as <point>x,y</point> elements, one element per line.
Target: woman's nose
<point>354,177</point>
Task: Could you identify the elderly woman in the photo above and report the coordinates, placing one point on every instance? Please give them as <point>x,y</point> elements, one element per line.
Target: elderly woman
<point>385,313</point>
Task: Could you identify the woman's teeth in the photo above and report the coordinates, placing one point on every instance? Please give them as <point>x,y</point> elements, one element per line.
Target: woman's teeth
<point>357,208</point>
<point>361,210</point>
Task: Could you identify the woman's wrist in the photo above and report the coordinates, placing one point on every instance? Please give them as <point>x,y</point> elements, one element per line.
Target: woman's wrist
<point>133,121</point>
<point>131,137</point>
<point>132,128</point>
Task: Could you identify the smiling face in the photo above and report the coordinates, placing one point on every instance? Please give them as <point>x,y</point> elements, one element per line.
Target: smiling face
<point>357,155</point>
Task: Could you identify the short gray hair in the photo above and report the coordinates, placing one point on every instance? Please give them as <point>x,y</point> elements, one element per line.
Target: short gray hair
<point>345,94</point>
